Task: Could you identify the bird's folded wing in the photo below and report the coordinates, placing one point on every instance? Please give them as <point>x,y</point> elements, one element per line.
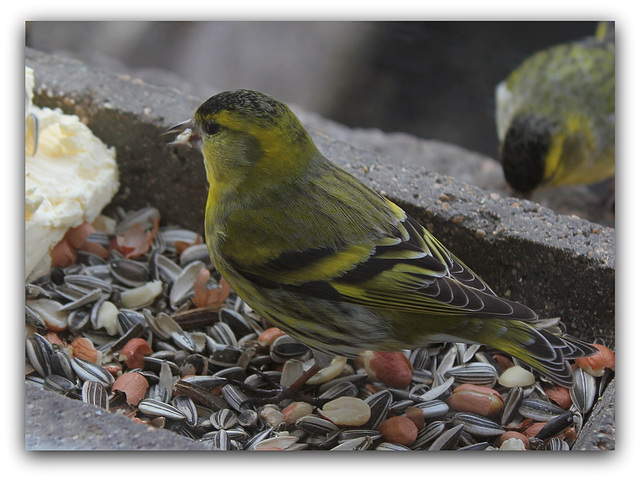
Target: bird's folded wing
<point>407,271</point>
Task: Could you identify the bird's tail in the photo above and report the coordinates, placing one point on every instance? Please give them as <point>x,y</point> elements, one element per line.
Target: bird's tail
<point>544,351</point>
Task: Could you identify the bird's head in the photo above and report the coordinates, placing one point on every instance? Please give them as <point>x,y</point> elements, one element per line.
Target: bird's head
<point>248,140</point>
<point>524,151</point>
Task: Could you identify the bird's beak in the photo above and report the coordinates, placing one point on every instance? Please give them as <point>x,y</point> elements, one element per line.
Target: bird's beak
<point>186,135</point>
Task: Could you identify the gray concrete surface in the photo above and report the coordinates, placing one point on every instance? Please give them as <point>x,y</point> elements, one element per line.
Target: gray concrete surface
<point>559,265</point>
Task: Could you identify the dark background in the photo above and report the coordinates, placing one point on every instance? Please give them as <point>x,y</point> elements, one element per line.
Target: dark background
<point>435,80</point>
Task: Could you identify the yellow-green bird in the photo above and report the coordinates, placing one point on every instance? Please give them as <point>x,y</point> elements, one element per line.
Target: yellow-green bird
<point>330,261</point>
<point>555,115</point>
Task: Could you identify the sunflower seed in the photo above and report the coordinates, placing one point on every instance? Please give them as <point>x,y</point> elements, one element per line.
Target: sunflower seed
<point>557,445</point>
<point>156,408</point>
<point>87,371</point>
<point>379,404</point>
<point>285,348</point>
<point>512,404</point>
<point>95,394</point>
<point>477,425</point>
<point>315,425</point>
<point>186,405</point>
<point>87,283</point>
<point>78,320</point>
<point>39,352</point>
<point>174,235</point>
<point>539,410</point>
<point>419,358</point>
<point>433,408</point>
<point>477,373</point>
<point>222,333</point>
<point>556,425</point>
<point>224,419</point>
<point>428,434</point>
<point>236,321</point>
<point>33,318</point>
<point>583,392</point>
<point>342,389</point>
<point>235,397</point>
<point>205,381</point>
<point>258,437</point>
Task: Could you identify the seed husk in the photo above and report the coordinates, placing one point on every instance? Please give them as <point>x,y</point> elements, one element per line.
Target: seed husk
<point>392,447</point>
<point>129,272</point>
<point>61,364</point>
<point>354,444</point>
<point>59,384</point>
<point>448,439</point>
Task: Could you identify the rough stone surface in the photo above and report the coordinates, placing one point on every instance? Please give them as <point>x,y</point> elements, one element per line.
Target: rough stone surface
<point>55,422</point>
<point>599,432</point>
<point>557,264</point>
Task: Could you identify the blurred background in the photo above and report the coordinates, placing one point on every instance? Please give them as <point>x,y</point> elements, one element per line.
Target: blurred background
<point>435,80</point>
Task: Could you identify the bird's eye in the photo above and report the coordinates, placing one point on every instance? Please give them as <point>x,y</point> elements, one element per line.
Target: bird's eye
<point>211,128</point>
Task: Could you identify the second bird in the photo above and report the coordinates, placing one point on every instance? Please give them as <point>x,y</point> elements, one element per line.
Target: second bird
<point>555,115</point>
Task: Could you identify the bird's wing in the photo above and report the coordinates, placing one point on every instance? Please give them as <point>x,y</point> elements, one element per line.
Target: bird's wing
<point>406,270</point>
<point>419,274</point>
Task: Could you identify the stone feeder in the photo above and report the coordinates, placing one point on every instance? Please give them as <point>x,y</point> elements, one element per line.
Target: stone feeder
<point>558,265</point>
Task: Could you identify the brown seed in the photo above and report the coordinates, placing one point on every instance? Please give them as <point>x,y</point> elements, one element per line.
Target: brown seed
<point>416,415</point>
<point>399,430</point>
<point>476,399</point>
<point>390,368</point>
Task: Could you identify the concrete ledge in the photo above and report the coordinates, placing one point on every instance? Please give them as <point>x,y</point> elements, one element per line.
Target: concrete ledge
<point>558,265</point>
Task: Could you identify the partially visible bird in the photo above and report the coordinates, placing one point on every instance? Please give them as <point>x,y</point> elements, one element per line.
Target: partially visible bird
<point>333,263</point>
<point>555,115</point>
